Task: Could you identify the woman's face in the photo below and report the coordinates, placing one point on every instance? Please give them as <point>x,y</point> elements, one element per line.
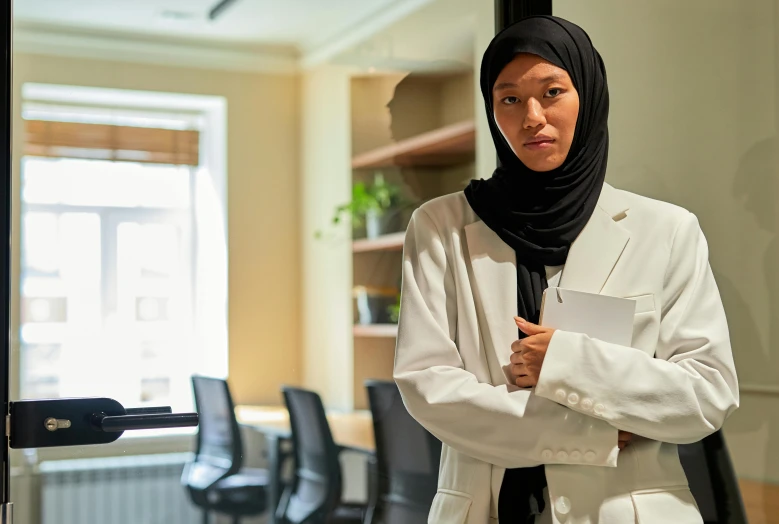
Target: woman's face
<point>536,108</point>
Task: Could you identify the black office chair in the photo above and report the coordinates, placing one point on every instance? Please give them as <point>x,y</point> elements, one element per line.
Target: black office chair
<point>315,494</point>
<point>407,459</point>
<point>215,479</point>
<point>713,481</point>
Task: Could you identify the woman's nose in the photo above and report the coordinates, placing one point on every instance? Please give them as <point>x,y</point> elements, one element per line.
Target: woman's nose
<point>534,115</point>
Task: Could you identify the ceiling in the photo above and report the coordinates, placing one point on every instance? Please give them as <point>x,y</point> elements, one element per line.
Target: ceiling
<point>299,23</point>
<point>439,36</point>
<point>277,35</point>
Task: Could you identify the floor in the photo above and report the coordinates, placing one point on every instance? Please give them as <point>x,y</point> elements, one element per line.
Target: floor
<point>761,501</point>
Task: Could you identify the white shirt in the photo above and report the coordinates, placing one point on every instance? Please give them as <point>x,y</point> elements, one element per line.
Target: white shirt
<point>553,274</point>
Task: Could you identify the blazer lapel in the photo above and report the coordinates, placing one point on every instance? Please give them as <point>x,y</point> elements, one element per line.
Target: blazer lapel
<point>494,266</point>
<point>598,247</point>
<point>590,261</point>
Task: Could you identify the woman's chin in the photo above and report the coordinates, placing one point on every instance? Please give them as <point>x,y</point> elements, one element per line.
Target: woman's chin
<point>542,165</point>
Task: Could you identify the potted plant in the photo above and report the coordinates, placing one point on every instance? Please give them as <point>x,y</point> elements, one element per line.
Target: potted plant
<point>373,304</point>
<point>372,206</point>
<point>394,310</point>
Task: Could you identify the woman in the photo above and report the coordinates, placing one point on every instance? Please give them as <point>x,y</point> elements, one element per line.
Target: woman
<point>555,423</point>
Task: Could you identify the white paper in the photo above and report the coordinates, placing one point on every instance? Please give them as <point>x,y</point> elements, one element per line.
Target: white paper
<point>602,317</point>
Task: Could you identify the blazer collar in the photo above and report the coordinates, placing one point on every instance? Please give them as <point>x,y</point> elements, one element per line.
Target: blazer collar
<point>591,260</point>
<point>613,202</point>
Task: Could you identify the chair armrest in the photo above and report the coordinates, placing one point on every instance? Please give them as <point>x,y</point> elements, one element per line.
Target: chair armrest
<point>373,490</point>
<point>281,509</point>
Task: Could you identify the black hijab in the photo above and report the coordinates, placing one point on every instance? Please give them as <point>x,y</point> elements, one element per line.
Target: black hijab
<point>541,214</point>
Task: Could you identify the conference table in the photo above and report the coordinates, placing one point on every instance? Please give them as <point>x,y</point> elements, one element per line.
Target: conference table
<point>351,430</point>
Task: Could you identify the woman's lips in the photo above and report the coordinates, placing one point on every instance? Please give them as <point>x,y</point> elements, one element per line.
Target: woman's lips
<point>539,144</point>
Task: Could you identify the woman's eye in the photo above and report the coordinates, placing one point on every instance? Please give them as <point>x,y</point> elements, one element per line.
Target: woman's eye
<point>554,92</point>
<point>509,100</point>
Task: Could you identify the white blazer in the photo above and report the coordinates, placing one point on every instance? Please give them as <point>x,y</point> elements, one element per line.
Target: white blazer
<point>675,385</point>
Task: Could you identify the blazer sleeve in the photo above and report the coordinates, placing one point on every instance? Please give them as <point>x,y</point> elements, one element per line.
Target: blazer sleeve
<point>682,394</point>
<point>501,425</point>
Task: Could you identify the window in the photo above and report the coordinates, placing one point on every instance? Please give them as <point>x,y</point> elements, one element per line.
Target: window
<point>117,261</point>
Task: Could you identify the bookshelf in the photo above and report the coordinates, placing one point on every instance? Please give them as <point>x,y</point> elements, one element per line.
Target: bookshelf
<point>419,132</point>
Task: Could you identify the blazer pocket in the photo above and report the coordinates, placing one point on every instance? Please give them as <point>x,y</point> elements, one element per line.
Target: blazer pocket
<point>644,303</point>
<point>449,507</point>
<point>660,506</point>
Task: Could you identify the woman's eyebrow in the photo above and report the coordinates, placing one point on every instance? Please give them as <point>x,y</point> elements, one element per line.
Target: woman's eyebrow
<point>504,85</point>
<point>556,77</point>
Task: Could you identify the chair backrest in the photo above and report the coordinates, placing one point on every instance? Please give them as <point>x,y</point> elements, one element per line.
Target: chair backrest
<point>219,450</point>
<point>713,480</point>
<point>318,482</point>
<point>407,457</point>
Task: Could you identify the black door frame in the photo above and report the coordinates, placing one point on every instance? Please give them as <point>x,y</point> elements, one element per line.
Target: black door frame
<point>6,87</point>
<point>509,11</point>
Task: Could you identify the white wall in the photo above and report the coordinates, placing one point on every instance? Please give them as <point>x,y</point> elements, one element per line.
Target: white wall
<point>694,120</point>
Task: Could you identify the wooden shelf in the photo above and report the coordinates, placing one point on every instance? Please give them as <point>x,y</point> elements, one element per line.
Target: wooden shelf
<point>376,330</point>
<point>450,145</point>
<point>391,242</point>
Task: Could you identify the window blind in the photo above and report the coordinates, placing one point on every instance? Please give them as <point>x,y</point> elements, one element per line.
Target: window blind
<point>45,138</point>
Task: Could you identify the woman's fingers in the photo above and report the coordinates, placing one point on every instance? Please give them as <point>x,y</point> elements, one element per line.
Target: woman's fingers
<point>623,439</point>
<point>518,369</point>
<point>526,381</point>
<point>528,328</point>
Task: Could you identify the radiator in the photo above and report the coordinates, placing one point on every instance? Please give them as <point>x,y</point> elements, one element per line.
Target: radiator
<point>142,489</point>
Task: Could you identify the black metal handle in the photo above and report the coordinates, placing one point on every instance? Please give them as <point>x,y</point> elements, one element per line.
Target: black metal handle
<point>149,411</point>
<point>143,421</point>
<point>45,423</point>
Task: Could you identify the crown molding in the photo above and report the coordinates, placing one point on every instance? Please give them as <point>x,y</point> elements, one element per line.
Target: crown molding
<point>315,53</point>
<point>56,42</point>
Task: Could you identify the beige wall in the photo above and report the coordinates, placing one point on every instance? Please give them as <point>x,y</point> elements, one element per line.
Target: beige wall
<point>371,120</point>
<point>327,262</point>
<point>694,91</point>
<point>263,205</point>
<point>457,99</point>
<point>391,107</point>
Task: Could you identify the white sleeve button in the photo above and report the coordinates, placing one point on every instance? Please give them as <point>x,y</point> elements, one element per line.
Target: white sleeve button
<point>573,399</point>
<point>547,454</point>
<point>586,404</point>
<point>599,409</point>
<point>589,456</point>
<point>576,455</point>
<point>562,505</point>
<point>562,456</point>
<point>560,394</point>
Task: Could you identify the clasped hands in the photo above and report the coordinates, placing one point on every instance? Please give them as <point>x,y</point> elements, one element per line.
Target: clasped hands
<point>527,358</point>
